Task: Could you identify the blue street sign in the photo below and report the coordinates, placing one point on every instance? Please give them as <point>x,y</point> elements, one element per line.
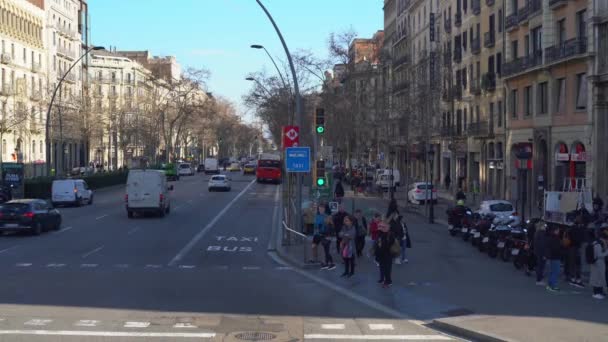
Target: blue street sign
<point>297,159</point>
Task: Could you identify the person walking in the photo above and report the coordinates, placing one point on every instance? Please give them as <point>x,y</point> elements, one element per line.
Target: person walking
<point>338,220</point>
<point>554,255</point>
<point>573,241</point>
<point>361,226</point>
<point>373,226</point>
<point>394,219</point>
<point>460,195</point>
<point>447,181</point>
<point>598,268</point>
<point>348,235</point>
<point>384,257</point>
<point>322,229</point>
<point>339,192</point>
<point>540,252</point>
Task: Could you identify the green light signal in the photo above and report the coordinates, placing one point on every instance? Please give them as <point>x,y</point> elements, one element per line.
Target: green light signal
<point>320,181</point>
<point>320,129</point>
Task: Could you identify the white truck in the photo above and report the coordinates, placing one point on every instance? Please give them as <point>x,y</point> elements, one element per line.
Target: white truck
<point>212,166</point>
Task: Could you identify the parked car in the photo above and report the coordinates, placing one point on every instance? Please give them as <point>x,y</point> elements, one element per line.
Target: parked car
<point>421,192</point>
<point>71,191</point>
<point>147,191</point>
<point>185,169</point>
<point>500,209</point>
<point>200,167</point>
<point>249,169</point>
<point>221,182</point>
<point>29,215</point>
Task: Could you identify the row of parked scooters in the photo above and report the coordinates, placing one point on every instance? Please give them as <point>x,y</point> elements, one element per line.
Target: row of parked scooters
<point>504,237</point>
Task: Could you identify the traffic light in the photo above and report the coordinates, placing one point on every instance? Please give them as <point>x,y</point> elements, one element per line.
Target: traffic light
<point>320,121</point>
<point>320,168</point>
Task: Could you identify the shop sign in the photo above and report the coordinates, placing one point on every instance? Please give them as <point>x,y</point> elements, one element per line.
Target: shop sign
<point>562,157</point>
<point>579,157</point>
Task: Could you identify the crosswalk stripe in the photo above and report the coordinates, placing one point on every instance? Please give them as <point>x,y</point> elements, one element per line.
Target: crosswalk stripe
<point>137,324</point>
<point>377,337</point>
<point>38,322</point>
<point>376,326</point>
<point>88,265</point>
<point>187,266</point>
<point>106,333</point>
<point>55,265</point>
<point>86,323</point>
<point>333,326</point>
<point>184,325</point>
<point>23,264</point>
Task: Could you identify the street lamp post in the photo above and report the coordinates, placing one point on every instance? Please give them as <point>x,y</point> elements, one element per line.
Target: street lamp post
<point>252,79</point>
<point>431,154</point>
<point>298,110</point>
<point>48,112</point>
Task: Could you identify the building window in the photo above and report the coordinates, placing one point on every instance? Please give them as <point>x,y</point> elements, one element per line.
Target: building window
<point>514,48</point>
<point>561,32</point>
<point>560,95</point>
<point>41,148</point>
<point>491,114</point>
<point>528,101</point>
<point>543,99</point>
<point>581,91</point>
<point>581,25</point>
<point>513,103</point>
<point>464,125</point>
<point>499,63</point>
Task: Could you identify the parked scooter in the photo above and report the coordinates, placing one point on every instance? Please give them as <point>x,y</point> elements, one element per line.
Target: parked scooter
<point>456,219</point>
<point>467,224</point>
<point>497,236</point>
<point>514,243</point>
<point>524,256</point>
<point>482,226</point>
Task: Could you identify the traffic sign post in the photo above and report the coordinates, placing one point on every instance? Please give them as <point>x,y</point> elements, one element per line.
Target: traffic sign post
<point>291,136</point>
<point>297,159</point>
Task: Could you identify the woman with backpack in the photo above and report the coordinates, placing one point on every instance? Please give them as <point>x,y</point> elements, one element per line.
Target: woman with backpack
<point>397,227</point>
<point>598,266</point>
<point>384,252</point>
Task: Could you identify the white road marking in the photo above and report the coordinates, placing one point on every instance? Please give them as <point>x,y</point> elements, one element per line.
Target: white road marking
<point>283,268</point>
<point>187,266</point>
<point>133,230</point>
<point>222,267</point>
<point>93,251</point>
<point>204,231</point>
<point>379,326</point>
<point>137,324</point>
<point>122,265</point>
<point>38,322</point>
<point>100,217</point>
<point>333,326</point>
<point>89,265</point>
<point>377,337</point>
<point>153,266</point>
<point>86,323</point>
<point>250,268</point>
<point>8,249</point>
<point>63,230</point>
<point>55,265</point>
<point>23,264</point>
<point>105,333</point>
<point>184,325</point>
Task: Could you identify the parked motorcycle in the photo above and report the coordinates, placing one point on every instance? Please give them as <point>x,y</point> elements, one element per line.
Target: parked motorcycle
<point>497,236</point>
<point>524,256</point>
<point>480,231</point>
<point>456,217</point>
<point>467,224</point>
<point>514,243</point>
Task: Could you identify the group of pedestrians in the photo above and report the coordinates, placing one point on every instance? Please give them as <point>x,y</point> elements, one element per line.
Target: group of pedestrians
<point>389,236</point>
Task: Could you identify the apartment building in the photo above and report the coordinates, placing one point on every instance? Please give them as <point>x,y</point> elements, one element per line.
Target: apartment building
<point>550,116</point>
<point>23,82</point>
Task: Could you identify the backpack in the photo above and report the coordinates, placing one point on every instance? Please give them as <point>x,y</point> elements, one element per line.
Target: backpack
<point>590,253</point>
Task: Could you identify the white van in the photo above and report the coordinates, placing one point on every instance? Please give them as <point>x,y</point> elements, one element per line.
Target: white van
<point>211,166</point>
<point>71,191</point>
<point>185,169</point>
<point>147,191</point>
<point>383,179</point>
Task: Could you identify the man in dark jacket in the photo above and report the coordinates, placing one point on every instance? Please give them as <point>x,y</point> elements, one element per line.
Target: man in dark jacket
<point>576,236</point>
<point>338,219</point>
<point>554,255</point>
<point>339,192</point>
<point>540,251</point>
<point>460,195</point>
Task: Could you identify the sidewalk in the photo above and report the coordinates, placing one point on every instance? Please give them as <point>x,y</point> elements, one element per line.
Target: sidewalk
<point>455,288</point>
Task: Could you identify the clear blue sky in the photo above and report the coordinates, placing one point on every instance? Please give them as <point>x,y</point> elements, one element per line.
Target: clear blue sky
<point>216,34</point>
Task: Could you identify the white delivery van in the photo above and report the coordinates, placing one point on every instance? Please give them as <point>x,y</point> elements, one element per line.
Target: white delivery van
<point>185,169</point>
<point>211,166</point>
<point>383,179</point>
<point>71,191</point>
<point>147,191</point>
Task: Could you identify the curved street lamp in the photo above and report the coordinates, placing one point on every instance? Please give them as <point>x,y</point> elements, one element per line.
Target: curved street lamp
<point>252,79</point>
<point>48,112</point>
<point>257,46</point>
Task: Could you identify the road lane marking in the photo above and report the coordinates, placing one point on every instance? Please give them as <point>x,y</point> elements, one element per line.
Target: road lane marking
<point>122,265</point>
<point>222,267</point>
<point>136,324</point>
<point>187,266</point>
<point>333,326</point>
<point>55,265</point>
<point>249,268</point>
<point>8,249</point>
<point>38,322</point>
<point>204,231</point>
<point>89,265</point>
<point>133,230</point>
<point>184,326</point>
<point>93,251</point>
<point>379,326</point>
<point>63,230</point>
<point>283,268</point>
<point>154,266</point>
<point>86,323</point>
<point>100,217</point>
<point>377,337</point>
<point>23,264</point>
<point>105,333</point>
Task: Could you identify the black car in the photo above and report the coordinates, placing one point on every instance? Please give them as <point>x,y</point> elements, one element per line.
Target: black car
<point>200,168</point>
<point>29,215</point>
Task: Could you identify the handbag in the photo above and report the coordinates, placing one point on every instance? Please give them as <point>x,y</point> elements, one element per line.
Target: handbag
<point>395,249</point>
<point>566,241</point>
<point>346,251</point>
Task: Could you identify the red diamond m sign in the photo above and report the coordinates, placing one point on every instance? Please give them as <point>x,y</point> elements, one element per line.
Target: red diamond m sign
<point>291,136</point>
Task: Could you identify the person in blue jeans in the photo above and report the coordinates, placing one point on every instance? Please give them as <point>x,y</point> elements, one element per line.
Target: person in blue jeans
<point>554,255</point>
<point>540,252</point>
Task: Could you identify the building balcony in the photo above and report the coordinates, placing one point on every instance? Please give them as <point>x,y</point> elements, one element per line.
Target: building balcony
<point>400,61</point>
<point>7,89</point>
<point>522,64</point>
<point>476,46</point>
<point>447,58</point>
<point>67,53</point>
<point>490,2</point>
<point>113,96</point>
<point>476,6</point>
<point>555,4</point>
<point>129,81</point>
<point>478,129</point>
<point>511,22</point>
<point>98,95</point>
<point>475,87</point>
<point>399,87</point>
<point>488,81</point>
<point>531,9</point>
<point>458,54</point>
<point>6,58</point>
<point>109,80</point>
<point>35,96</point>
<point>489,39</point>
<point>70,78</point>
<point>36,67</point>
<point>457,92</point>
<point>447,25</point>
<point>458,19</point>
<point>569,49</point>
<point>66,32</point>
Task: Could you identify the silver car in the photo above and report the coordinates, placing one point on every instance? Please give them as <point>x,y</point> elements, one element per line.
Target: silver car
<point>219,182</point>
<point>500,209</point>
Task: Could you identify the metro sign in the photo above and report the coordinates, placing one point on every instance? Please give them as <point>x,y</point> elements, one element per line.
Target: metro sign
<point>291,136</point>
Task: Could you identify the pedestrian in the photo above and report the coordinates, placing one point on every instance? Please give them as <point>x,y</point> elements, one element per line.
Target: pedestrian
<point>383,253</point>
<point>373,226</point>
<point>339,192</point>
<point>598,267</point>
<point>323,227</point>
<point>347,250</point>
<point>394,219</point>
<point>573,241</point>
<point>540,251</point>
<point>338,220</point>
<point>460,195</point>
<point>447,181</point>
<point>361,226</point>
<point>554,255</point>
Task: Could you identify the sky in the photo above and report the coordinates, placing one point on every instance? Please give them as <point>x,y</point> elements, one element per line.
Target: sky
<point>216,34</point>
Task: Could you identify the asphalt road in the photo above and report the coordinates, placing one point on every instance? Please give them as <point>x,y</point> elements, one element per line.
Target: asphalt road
<point>203,272</point>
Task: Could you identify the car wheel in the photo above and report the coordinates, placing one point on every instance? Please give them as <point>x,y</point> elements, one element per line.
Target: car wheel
<point>91,200</point>
<point>161,212</point>
<point>37,229</point>
<point>129,214</point>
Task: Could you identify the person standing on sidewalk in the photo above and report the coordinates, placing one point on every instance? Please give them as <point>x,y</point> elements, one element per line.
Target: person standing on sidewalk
<point>393,217</point>
<point>575,237</point>
<point>339,192</point>
<point>322,228</point>
<point>460,195</point>
<point>348,235</point>
<point>338,224</point>
<point>361,226</point>
<point>598,268</point>
<point>373,226</point>
<point>554,255</point>
<point>540,251</point>
<point>382,249</point>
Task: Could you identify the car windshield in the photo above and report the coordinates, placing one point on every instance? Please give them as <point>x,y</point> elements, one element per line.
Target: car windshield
<point>270,163</point>
<point>184,166</point>
<point>501,207</point>
<point>424,186</point>
<point>218,178</point>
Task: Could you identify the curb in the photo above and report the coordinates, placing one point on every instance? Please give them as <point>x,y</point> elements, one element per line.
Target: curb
<point>458,331</point>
